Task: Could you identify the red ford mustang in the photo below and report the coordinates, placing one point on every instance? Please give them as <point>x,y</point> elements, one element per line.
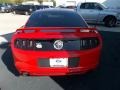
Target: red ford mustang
<point>56,42</point>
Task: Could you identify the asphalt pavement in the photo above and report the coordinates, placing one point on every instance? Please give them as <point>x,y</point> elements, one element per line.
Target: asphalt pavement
<point>10,22</point>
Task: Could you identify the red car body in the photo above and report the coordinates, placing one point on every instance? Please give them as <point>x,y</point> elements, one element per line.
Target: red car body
<point>37,61</point>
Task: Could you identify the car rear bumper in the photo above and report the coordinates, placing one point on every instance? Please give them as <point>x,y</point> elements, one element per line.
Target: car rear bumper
<point>27,62</point>
<point>34,71</point>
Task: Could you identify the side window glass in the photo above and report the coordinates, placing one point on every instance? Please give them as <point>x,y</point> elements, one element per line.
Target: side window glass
<point>33,7</point>
<point>82,6</point>
<point>91,6</point>
<point>87,6</point>
<point>98,7</point>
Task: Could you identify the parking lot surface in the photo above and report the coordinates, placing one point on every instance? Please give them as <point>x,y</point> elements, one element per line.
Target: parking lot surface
<point>106,77</point>
<point>10,22</point>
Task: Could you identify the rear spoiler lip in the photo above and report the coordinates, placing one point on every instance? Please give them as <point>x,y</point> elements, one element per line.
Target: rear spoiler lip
<point>38,29</point>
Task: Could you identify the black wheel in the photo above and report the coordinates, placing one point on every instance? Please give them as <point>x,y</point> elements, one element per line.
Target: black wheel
<point>14,12</point>
<point>26,13</point>
<point>110,21</point>
<point>7,11</point>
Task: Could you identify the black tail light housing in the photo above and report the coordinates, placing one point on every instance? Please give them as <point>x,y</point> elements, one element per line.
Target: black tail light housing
<point>88,43</point>
<point>70,44</point>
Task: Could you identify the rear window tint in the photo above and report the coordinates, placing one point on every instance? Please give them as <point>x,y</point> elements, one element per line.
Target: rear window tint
<point>55,19</point>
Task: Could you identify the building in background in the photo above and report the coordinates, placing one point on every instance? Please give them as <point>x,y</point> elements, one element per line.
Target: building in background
<point>74,2</point>
<point>70,3</point>
<point>48,3</point>
<point>38,2</point>
<point>30,3</point>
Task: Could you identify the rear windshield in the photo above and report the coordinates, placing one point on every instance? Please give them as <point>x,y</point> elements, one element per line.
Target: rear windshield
<point>55,19</point>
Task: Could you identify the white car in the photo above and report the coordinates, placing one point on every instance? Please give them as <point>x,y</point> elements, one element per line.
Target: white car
<point>94,12</point>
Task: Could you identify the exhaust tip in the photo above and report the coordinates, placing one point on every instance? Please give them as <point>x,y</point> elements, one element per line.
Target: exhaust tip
<point>25,74</point>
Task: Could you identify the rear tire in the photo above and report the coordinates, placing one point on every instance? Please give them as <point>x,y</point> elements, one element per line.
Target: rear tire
<point>110,21</point>
<point>26,13</point>
<point>7,11</point>
<point>14,12</point>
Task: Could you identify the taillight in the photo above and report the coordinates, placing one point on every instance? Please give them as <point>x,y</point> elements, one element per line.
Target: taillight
<point>68,44</point>
<point>24,44</point>
<point>88,43</point>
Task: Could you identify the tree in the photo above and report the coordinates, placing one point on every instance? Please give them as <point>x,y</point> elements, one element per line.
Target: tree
<point>4,1</point>
<point>18,1</point>
<point>54,2</point>
<point>40,1</point>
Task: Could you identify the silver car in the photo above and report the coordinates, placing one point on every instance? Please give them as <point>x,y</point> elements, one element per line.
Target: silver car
<point>94,12</point>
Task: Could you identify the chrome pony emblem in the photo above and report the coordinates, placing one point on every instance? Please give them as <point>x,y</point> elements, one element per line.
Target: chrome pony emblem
<point>58,44</point>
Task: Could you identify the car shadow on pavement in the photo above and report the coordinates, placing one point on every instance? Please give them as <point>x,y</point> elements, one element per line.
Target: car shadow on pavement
<point>102,25</point>
<point>78,82</point>
<point>4,46</point>
<point>107,75</point>
<point>7,59</point>
<point>7,56</point>
<point>7,36</point>
<point>88,81</point>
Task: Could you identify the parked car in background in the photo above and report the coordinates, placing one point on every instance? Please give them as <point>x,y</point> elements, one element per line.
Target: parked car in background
<point>56,42</point>
<point>42,7</point>
<point>71,7</point>
<point>94,12</point>
<point>67,7</point>
<point>28,9</point>
<point>61,6</point>
<point>24,9</point>
<point>5,8</point>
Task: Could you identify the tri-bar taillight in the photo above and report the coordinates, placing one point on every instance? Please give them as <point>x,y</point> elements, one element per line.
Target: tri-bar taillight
<point>69,44</point>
